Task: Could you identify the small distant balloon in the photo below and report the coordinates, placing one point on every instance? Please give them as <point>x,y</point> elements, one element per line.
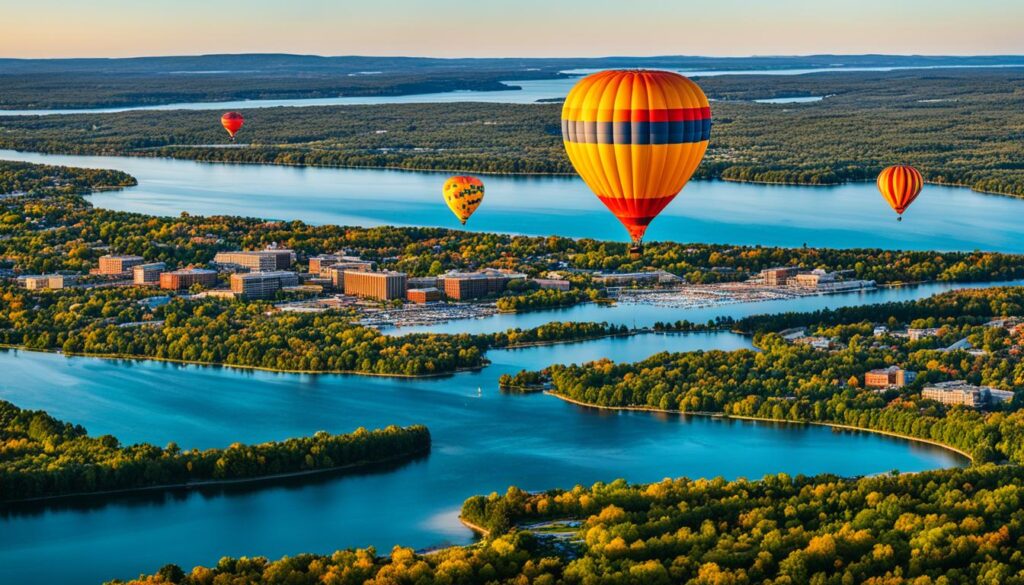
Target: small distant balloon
<point>463,194</point>
<point>636,137</point>
<point>900,185</point>
<point>232,122</point>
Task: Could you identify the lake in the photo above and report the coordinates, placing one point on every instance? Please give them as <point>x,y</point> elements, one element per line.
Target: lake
<point>530,91</point>
<point>844,216</point>
<point>483,441</point>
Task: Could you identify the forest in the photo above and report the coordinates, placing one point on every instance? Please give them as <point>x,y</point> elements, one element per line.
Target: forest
<point>41,457</point>
<point>140,81</point>
<point>868,121</point>
<point>948,527</point>
<point>32,180</point>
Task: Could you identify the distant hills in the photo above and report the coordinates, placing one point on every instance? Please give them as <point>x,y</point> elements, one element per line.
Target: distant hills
<point>288,65</point>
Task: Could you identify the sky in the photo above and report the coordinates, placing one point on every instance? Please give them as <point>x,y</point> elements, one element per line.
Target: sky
<point>515,28</point>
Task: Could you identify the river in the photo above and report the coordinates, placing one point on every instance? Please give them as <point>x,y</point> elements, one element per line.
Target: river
<point>529,91</point>
<point>942,218</point>
<point>483,441</point>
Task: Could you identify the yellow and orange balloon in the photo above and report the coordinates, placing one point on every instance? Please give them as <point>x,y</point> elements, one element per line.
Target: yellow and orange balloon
<point>232,122</point>
<point>900,185</point>
<point>636,137</point>
<point>463,194</point>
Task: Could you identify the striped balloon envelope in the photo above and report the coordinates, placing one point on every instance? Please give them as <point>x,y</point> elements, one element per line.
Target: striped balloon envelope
<point>636,137</point>
<point>900,185</point>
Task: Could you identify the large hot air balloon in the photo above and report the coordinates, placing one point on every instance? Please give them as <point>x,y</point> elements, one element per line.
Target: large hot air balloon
<point>900,185</point>
<point>232,122</point>
<point>636,137</point>
<point>463,195</point>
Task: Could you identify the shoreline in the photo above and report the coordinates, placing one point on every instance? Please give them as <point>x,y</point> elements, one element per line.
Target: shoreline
<point>722,415</point>
<point>218,482</point>
<point>136,358</point>
<point>480,530</point>
<point>456,170</point>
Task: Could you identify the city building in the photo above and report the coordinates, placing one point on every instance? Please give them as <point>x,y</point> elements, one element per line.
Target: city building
<point>184,279</point>
<point>959,392</point>
<point>779,276</point>
<point>814,279</point>
<point>552,283</point>
<point>423,282</point>
<point>375,285</point>
<point>423,295</point>
<point>118,264</point>
<point>319,264</point>
<point>472,285</point>
<point>148,273</point>
<point>256,260</point>
<point>262,285</point>
<point>46,281</point>
<point>916,334</point>
<point>891,377</point>
<point>336,272</point>
<point>629,278</point>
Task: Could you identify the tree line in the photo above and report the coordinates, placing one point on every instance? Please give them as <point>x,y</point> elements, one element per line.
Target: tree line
<point>41,456</point>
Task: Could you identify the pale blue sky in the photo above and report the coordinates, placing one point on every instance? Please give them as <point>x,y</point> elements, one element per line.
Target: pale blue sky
<point>455,28</point>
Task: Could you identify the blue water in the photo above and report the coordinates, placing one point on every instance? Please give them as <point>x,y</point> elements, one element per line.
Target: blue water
<point>792,100</point>
<point>845,216</point>
<point>530,91</point>
<point>483,441</point>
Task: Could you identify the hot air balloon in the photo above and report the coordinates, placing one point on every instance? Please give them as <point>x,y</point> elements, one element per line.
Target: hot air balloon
<point>463,195</point>
<point>232,122</point>
<point>900,185</point>
<point>636,137</point>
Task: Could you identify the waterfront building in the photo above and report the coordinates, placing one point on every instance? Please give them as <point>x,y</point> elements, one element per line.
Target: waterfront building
<point>148,273</point>
<point>779,276</point>
<point>256,260</point>
<point>960,393</point>
<point>813,280</point>
<point>375,285</point>
<point>423,295</point>
<point>262,285</point>
<point>472,285</point>
<point>891,377</point>
<point>185,278</point>
<point>552,283</point>
<point>118,264</point>
<point>629,278</point>
<point>46,281</point>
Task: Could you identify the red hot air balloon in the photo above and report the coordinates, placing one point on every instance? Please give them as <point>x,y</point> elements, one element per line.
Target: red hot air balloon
<point>900,185</point>
<point>232,122</point>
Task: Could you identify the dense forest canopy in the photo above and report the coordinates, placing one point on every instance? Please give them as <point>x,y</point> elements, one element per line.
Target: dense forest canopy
<point>952,527</point>
<point>958,126</point>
